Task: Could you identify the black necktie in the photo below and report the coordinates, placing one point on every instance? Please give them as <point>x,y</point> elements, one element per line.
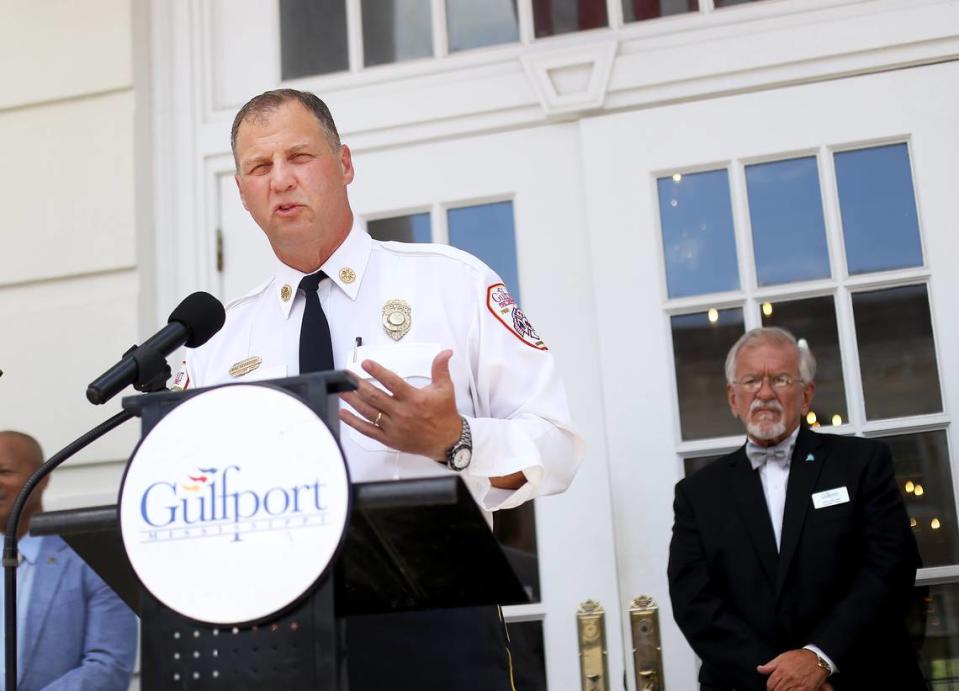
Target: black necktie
<point>316,347</point>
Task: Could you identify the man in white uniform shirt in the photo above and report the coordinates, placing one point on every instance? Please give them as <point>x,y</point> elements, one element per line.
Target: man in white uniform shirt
<point>453,376</point>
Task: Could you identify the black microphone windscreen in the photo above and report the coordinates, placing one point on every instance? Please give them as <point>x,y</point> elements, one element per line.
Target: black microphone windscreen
<point>202,314</point>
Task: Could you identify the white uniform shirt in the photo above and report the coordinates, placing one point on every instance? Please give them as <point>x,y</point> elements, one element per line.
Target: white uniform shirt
<point>505,380</point>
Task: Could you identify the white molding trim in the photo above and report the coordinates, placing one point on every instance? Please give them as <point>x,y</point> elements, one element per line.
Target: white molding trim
<point>571,80</point>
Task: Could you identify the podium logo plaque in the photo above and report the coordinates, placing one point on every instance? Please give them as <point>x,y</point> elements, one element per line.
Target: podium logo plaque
<point>234,504</point>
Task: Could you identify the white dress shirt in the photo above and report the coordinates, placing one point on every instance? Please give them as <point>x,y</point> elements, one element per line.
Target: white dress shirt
<point>774,475</point>
<point>29,548</point>
<point>505,379</point>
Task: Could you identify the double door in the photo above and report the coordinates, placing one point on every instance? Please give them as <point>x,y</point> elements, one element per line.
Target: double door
<point>641,245</point>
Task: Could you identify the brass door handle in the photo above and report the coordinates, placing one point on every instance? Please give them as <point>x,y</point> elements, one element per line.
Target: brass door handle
<point>647,645</point>
<point>591,629</point>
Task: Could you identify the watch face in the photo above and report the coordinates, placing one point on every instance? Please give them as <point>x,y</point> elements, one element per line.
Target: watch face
<point>461,458</point>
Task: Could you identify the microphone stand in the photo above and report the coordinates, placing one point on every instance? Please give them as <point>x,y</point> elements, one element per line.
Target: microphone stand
<point>11,557</point>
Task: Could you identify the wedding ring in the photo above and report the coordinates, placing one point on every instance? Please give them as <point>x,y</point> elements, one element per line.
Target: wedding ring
<point>376,422</point>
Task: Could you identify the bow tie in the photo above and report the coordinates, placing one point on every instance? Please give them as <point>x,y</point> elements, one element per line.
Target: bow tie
<point>759,455</point>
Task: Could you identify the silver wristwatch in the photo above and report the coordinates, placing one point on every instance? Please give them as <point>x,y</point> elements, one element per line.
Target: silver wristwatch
<point>461,453</point>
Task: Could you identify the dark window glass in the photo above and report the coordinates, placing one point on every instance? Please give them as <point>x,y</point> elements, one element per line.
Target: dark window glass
<point>395,30</point>
<point>785,211</point>
<point>814,321</point>
<point>878,204</point>
<point>923,476</point>
<point>312,37</point>
<point>553,17</point>
<point>696,463</point>
<point>698,240</point>
<point>700,344</point>
<point>516,531</point>
<point>934,627</point>
<point>487,231</point>
<point>897,355</point>
<point>528,655</point>
<point>636,10</point>
<point>414,228</point>
<point>479,23</point>
<point>730,3</point>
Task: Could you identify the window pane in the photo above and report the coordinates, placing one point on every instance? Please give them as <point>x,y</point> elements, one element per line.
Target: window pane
<point>552,17</point>
<point>785,211</point>
<point>700,344</point>
<point>527,654</point>
<point>730,3</point>
<point>878,205</point>
<point>897,355</point>
<point>415,228</point>
<point>395,30</point>
<point>692,464</point>
<point>486,231</point>
<point>698,240</point>
<point>923,475</point>
<point>478,23</point>
<point>635,10</point>
<point>312,37</point>
<point>814,320</point>
<point>515,529</point>
<point>938,627</point>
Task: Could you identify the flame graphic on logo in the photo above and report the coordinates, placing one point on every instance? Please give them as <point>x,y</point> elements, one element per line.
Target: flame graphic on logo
<point>198,480</point>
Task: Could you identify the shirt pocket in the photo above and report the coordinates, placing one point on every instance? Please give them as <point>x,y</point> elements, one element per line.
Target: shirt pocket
<point>412,361</point>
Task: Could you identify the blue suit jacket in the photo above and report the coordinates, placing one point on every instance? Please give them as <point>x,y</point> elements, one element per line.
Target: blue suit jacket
<point>78,634</point>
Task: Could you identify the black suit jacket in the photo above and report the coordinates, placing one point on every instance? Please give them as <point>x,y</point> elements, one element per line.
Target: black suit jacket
<point>842,579</point>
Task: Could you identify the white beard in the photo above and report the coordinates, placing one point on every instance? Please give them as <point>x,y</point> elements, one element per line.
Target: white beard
<point>765,430</point>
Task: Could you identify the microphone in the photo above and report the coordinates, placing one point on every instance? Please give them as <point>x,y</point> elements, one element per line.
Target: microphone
<point>193,323</point>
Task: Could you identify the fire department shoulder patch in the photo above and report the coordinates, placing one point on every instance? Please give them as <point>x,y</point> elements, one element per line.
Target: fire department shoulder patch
<point>502,305</point>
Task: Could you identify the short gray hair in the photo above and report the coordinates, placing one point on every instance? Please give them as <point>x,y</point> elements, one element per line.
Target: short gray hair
<point>269,101</point>
<point>776,336</point>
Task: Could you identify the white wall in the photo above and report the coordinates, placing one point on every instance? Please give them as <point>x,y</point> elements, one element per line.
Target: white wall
<point>69,278</point>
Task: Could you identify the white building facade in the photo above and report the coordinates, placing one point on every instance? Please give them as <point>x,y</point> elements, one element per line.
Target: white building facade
<point>649,187</point>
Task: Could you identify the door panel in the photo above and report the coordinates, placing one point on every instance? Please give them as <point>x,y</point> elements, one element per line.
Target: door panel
<point>626,159</point>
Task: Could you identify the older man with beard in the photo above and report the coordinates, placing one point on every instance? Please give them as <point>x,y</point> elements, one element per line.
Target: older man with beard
<point>792,559</point>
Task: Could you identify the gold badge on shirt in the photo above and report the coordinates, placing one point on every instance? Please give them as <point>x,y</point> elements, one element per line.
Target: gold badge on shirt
<point>245,366</point>
<point>397,318</point>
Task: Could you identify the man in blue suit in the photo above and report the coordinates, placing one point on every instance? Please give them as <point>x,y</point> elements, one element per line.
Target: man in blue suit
<point>73,632</point>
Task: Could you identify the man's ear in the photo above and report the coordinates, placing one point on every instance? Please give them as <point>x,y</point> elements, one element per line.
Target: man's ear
<point>239,187</point>
<point>346,163</point>
<point>731,398</point>
<point>808,391</point>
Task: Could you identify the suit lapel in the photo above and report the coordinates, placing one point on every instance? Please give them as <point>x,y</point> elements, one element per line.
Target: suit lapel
<point>747,489</point>
<point>804,468</point>
<point>46,580</point>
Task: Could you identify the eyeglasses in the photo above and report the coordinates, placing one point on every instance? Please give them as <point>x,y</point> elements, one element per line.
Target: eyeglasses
<point>754,383</point>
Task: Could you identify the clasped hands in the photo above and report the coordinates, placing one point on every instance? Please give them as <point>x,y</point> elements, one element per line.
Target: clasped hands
<point>421,421</point>
<point>795,670</point>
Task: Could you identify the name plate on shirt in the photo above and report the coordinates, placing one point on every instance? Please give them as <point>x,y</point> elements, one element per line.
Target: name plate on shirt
<point>830,497</point>
<point>235,504</point>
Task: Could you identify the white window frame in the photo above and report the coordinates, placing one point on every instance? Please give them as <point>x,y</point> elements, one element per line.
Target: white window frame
<point>840,286</point>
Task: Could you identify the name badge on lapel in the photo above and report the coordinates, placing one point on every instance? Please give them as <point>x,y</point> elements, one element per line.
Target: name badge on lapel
<point>830,497</point>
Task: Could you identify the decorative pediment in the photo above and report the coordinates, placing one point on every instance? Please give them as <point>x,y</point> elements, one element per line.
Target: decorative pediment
<point>571,79</point>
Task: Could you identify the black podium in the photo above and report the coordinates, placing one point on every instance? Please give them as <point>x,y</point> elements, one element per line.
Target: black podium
<point>410,545</point>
